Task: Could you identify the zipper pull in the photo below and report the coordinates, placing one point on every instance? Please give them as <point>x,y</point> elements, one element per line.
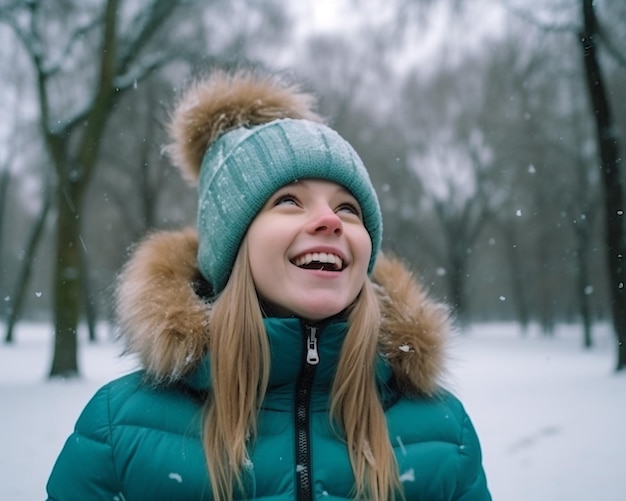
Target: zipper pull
<point>312,356</point>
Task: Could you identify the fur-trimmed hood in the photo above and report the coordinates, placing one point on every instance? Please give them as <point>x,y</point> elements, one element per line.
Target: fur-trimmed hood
<point>165,322</point>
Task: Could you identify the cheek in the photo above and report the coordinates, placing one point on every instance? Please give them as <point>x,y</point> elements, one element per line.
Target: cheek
<point>255,254</point>
<point>262,278</point>
<point>264,255</point>
<point>258,262</point>
<point>364,246</point>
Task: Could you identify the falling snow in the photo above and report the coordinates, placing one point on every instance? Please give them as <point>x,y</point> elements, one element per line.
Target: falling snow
<point>176,476</point>
<point>408,476</point>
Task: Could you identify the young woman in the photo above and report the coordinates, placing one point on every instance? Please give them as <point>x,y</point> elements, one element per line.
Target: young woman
<point>284,357</point>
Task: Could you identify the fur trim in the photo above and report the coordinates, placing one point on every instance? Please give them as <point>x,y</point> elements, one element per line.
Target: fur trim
<point>166,323</point>
<point>222,102</point>
<point>414,328</point>
<point>161,317</point>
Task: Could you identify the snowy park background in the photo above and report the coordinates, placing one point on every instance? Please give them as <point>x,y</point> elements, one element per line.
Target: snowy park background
<point>456,109</point>
<point>550,415</point>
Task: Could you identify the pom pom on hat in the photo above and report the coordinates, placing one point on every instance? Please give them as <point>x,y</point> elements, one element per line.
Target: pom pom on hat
<point>243,136</point>
<point>223,102</point>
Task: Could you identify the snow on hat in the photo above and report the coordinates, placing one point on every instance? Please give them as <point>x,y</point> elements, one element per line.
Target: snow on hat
<point>242,136</point>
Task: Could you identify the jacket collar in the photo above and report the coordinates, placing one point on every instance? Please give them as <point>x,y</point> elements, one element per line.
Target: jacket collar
<point>288,352</point>
<point>165,322</point>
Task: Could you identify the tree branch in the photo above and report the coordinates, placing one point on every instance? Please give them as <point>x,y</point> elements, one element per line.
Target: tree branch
<point>139,72</point>
<point>609,45</point>
<point>525,15</point>
<point>144,25</point>
<point>52,68</point>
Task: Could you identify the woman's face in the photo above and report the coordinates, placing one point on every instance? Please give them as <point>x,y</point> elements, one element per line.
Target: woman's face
<point>308,249</point>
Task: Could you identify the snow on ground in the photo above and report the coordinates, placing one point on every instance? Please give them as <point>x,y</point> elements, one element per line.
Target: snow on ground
<point>550,415</point>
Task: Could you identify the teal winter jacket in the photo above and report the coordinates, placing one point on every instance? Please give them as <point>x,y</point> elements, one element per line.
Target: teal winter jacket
<point>139,436</point>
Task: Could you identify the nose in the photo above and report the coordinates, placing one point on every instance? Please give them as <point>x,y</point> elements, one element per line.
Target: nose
<point>325,221</point>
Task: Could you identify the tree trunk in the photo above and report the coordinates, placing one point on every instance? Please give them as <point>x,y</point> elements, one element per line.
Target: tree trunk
<point>5,178</point>
<point>91,314</point>
<point>582,231</point>
<point>611,177</point>
<point>583,299</point>
<point>23,277</point>
<point>516,266</point>
<point>67,283</point>
<point>456,281</point>
<point>73,181</point>
<point>546,298</point>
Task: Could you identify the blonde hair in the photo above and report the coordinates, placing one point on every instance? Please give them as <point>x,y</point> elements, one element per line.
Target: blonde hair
<point>356,405</point>
<point>240,366</point>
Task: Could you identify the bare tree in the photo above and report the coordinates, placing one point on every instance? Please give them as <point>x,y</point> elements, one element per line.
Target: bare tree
<point>18,137</point>
<point>19,290</point>
<point>457,184</point>
<point>5,179</point>
<point>612,176</point>
<point>592,34</point>
<point>73,139</point>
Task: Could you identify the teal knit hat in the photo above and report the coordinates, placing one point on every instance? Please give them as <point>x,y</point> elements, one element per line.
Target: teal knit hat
<point>265,137</point>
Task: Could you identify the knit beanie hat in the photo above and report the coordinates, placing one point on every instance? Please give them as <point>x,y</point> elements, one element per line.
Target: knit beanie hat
<point>240,137</point>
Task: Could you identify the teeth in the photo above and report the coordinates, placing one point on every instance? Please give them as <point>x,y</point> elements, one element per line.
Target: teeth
<point>319,257</point>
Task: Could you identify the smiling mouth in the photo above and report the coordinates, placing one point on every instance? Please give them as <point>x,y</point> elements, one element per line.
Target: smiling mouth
<point>319,261</point>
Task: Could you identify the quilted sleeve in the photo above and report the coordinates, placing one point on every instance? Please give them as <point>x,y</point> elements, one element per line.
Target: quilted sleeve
<point>85,467</point>
<point>473,484</point>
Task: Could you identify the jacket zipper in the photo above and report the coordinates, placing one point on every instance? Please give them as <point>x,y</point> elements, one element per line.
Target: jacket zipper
<point>304,487</point>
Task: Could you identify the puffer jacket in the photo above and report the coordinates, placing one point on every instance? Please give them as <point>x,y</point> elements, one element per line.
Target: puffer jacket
<point>139,436</point>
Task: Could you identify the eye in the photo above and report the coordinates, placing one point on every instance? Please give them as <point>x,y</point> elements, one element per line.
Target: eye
<point>285,199</point>
<point>351,208</point>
